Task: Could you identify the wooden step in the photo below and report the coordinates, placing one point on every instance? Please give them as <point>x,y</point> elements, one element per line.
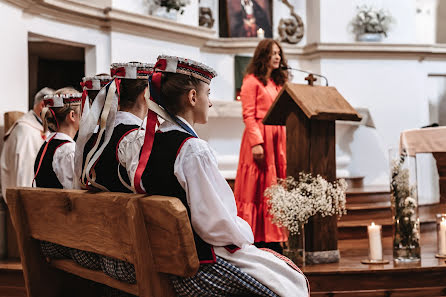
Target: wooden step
<point>11,279</point>
<point>355,225</point>
<point>368,194</point>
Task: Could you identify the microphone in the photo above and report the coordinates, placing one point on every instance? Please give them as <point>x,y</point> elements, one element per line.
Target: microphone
<point>307,72</point>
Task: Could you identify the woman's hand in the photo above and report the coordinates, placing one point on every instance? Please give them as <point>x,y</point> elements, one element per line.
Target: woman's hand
<point>258,154</point>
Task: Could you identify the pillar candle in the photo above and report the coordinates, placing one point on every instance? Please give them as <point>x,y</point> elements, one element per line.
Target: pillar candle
<point>260,33</point>
<point>375,244</point>
<point>442,238</point>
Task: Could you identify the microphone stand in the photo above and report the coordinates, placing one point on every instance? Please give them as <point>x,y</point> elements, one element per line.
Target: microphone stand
<point>307,72</point>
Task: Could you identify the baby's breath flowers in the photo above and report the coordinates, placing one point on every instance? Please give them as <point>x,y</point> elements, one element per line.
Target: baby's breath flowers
<point>292,202</point>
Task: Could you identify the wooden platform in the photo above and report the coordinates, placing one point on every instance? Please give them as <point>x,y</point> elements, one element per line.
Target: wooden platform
<point>348,278</point>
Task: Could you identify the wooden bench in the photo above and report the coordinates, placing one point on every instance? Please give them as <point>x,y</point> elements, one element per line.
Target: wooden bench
<point>152,232</point>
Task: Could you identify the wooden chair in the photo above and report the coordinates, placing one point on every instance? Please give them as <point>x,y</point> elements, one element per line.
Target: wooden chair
<point>153,233</point>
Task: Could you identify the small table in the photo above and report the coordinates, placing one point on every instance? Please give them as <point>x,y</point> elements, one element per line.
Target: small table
<point>429,144</point>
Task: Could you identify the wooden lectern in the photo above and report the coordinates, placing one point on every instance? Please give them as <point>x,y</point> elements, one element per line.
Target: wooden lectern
<point>309,113</point>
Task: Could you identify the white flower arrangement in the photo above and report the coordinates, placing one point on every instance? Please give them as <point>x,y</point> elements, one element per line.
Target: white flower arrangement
<point>404,206</point>
<point>292,202</point>
<point>371,20</point>
<point>173,4</point>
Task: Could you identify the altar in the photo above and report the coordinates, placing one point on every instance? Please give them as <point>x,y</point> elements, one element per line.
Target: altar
<point>429,147</point>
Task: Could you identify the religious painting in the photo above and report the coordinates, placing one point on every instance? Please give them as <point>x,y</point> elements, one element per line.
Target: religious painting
<point>245,18</point>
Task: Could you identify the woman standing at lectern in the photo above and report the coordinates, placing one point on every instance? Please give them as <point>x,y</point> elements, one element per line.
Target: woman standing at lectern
<point>263,148</point>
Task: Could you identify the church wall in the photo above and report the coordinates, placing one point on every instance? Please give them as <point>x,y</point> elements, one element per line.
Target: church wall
<point>17,28</point>
<point>14,53</point>
<point>336,16</point>
<point>189,16</point>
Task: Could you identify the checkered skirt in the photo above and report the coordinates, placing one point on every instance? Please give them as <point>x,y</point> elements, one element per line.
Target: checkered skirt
<point>219,280</point>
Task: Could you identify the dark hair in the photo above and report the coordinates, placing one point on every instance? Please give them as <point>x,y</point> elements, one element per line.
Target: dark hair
<point>259,63</point>
<point>175,85</point>
<point>92,95</point>
<point>130,89</point>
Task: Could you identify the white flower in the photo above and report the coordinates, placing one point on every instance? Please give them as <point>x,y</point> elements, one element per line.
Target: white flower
<point>292,203</point>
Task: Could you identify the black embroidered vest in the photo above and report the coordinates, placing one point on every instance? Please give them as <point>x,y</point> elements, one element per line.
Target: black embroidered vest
<point>46,177</point>
<point>159,179</point>
<point>106,167</point>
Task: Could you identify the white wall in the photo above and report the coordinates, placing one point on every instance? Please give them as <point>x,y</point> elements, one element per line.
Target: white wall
<point>426,21</point>
<point>189,16</point>
<point>336,16</point>
<point>391,89</point>
<point>14,50</point>
<point>280,11</point>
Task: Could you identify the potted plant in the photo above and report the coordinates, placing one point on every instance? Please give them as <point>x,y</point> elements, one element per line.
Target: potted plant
<point>167,8</point>
<point>292,202</point>
<point>370,24</point>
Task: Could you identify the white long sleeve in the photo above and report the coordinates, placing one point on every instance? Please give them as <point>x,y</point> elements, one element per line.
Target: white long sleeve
<point>211,201</point>
<point>128,152</point>
<point>63,163</point>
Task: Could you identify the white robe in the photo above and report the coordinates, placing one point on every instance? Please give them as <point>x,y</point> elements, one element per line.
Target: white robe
<point>23,141</point>
<point>214,218</point>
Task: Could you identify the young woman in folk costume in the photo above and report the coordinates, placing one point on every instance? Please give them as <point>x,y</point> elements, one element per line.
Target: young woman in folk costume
<point>108,152</point>
<point>91,86</point>
<point>175,162</point>
<point>54,164</point>
<point>263,147</point>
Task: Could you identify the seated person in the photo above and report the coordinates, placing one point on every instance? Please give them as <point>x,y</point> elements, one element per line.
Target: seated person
<point>54,164</point>
<point>105,162</point>
<point>175,162</point>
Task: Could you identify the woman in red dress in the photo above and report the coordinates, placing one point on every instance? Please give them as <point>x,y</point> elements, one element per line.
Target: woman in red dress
<point>263,148</point>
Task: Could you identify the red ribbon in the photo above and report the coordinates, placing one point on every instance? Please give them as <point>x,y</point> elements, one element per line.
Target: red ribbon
<point>84,98</point>
<point>48,102</point>
<point>118,84</point>
<point>152,120</point>
<point>161,64</point>
<point>54,115</point>
<point>118,72</point>
<point>88,84</point>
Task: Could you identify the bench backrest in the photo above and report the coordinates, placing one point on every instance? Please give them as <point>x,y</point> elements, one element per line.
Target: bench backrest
<point>153,233</point>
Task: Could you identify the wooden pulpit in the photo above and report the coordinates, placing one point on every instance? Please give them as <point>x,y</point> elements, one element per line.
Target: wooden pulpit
<point>309,113</point>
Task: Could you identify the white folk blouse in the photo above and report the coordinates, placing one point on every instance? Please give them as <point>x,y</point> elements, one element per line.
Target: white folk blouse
<point>214,218</point>
<point>63,160</point>
<point>130,145</point>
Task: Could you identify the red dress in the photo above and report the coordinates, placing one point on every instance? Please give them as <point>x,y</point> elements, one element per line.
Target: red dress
<point>252,180</point>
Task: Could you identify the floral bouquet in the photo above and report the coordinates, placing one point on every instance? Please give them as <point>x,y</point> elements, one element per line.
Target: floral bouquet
<point>292,202</point>
<point>173,4</point>
<point>406,229</point>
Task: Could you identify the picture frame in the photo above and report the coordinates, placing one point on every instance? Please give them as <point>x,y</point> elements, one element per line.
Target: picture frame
<point>243,18</point>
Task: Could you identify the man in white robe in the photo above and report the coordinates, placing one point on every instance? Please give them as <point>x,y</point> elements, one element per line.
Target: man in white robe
<point>22,143</point>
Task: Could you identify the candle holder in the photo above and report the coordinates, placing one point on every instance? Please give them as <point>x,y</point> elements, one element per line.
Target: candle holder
<point>441,236</point>
<point>375,245</point>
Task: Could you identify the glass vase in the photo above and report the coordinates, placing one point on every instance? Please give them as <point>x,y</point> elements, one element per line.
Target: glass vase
<point>404,201</point>
<point>295,250</point>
